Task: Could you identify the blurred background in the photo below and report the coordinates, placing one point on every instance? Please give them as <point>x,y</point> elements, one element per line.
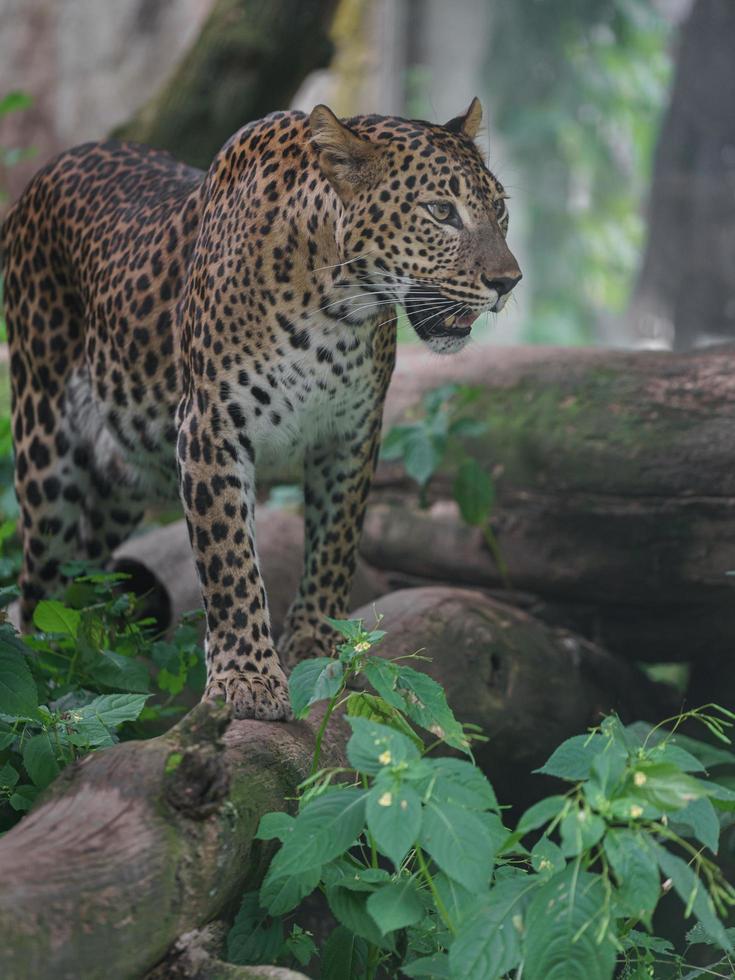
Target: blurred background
<point>611,123</point>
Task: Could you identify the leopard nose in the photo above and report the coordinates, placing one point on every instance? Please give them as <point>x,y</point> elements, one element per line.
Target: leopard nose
<point>503,284</point>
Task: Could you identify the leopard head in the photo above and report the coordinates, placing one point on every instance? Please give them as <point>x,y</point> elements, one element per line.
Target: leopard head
<point>422,220</point>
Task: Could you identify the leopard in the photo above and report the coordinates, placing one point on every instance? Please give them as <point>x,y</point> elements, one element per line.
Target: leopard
<point>169,329</point>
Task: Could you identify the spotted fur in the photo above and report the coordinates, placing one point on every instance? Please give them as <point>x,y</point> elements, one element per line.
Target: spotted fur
<point>157,314</point>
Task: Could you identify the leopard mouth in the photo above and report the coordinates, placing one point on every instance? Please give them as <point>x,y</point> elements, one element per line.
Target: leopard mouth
<point>444,322</point>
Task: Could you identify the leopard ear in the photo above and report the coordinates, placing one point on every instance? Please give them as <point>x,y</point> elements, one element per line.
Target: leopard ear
<point>347,161</point>
<point>467,124</point>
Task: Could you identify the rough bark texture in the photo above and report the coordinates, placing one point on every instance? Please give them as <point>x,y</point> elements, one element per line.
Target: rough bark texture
<point>687,281</point>
<point>615,492</point>
<point>135,846</point>
<point>140,844</point>
<point>249,60</point>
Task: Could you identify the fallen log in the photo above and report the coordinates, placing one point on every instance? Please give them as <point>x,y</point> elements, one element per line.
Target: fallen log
<point>136,846</point>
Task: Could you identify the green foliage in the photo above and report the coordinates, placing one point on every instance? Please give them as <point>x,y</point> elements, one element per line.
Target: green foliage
<point>578,89</point>
<point>423,444</point>
<point>411,853</point>
<point>84,679</point>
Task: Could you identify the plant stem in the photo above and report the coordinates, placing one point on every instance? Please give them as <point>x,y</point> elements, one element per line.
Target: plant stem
<point>323,727</point>
<point>441,907</point>
<point>492,543</point>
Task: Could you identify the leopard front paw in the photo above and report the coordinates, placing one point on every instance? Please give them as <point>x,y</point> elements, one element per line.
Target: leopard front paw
<point>252,694</point>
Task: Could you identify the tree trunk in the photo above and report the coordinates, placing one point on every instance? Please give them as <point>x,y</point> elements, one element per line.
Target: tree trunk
<point>250,59</point>
<point>138,845</point>
<point>687,282</point>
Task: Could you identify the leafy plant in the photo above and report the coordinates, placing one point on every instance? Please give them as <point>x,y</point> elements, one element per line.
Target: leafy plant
<point>422,446</point>
<point>423,877</point>
<point>89,670</point>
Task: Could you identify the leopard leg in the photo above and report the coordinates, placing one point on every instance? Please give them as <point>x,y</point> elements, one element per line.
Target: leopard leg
<point>216,471</point>
<point>337,481</point>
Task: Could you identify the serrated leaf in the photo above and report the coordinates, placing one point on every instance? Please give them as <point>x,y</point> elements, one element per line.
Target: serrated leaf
<point>458,901</point>
<point>394,819</point>
<point>561,938</point>
<point>459,843</point>
<point>8,776</point>
<point>634,864</point>
<point>663,785</point>
<point>434,967</point>
<point>18,694</point>
<point>52,616</point>
<point>541,813</point>
<point>362,704</point>
<point>573,759</point>
<point>254,938</point>
<point>699,820</point>
<point>350,909</point>
<point>692,892</point>
<point>124,673</point>
<point>344,956</point>
<point>488,944</point>
<point>325,828</point>
<point>580,830</point>
<point>112,710</point>
<point>396,905</point>
<point>459,781</point>
<point>474,492</point>
<point>313,680</point>
<point>23,797</point>
<point>39,759</point>
<point>275,826</point>
<point>280,893</point>
<point>425,703</point>
<point>374,747</point>
<point>547,857</point>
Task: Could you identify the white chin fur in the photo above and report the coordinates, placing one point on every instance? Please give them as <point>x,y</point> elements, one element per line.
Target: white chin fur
<point>447,345</point>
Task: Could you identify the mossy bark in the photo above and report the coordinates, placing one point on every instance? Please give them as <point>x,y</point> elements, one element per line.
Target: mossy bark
<point>250,59</point>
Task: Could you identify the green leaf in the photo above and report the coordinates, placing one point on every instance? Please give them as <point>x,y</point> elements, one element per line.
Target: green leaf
<point>15,101</point>
<point>344,956</point>
<point>459,902</point>
<point>326,827</point>
<point>459,843</point>
<point>663,785</point>
<point>350,909</point>
<point>547,857</point>
<point>561,930</point>
<point>396,905</point>
<point>692,892</point>
<point>421,455</point>
<point>281,893</point>
<point>580,830</point>
<point>112,710</point>
<point>356,878</point>
<point>573,759</point>
<point>488,944</point>
<point>459,781</point>
<point>52,616</point>
<point>18,694</point>
<point>253,938</point>
<point>23,797</point>
<point>362,704</point>
<point>394,444</point>
<point>39,759</point>
<point>633,862</point>
<point>699,820</point>
<point>275,825</point>
<point>300,944</point>
<point>467,428</point>
<point>394,819</point>
<point>124,673</point>
<point>425,703</point>
<point>313,680</point>
<point>540,813</point>
<point>474,492</point>
<point>374,747</point>
<point>8,777</point>
<point>434,967</point>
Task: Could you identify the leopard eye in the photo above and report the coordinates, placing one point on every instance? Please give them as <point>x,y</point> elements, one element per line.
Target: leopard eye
<point>499,208</point>
<point>444,212</point>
